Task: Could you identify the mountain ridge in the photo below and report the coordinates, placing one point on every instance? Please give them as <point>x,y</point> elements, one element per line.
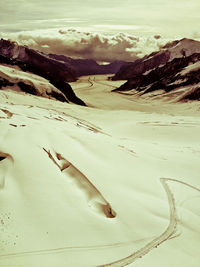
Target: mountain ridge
<point>34,61</point>
<point>86,67</point>
<point>179,73</point>
<point>174,49</point>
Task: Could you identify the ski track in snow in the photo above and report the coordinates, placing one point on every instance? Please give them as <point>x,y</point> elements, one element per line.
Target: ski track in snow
<point>166,235</point>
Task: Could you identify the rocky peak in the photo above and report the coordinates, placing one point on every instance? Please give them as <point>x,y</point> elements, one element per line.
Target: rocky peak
<point>179,73</point>
<point>176,49</point>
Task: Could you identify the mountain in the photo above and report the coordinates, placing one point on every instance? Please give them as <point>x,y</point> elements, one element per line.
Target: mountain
<point>89,66</point>
<point>57,73</point>
<point>37,62</point>
<point>20,81</point>
<point>57,69</point>
<point>176,49</point>
<point>180,77</point>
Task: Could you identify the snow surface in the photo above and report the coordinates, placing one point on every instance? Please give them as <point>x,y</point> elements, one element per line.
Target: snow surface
<point>113,184</point>
<point>190,68</point>
<point>186,46</point>
<point>15,75</point>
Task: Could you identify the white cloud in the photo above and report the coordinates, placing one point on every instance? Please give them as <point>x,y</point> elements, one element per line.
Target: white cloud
<point>82,44</point>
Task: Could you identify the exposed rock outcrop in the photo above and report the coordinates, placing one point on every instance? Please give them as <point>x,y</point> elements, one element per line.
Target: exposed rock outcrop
<point>18,80</point>
<point>175,49</point>
<point>36,61</point>
<point>179,73</point>
<point>162,77</point>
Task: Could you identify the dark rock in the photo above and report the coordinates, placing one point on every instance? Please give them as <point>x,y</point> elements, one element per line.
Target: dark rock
<point>89,66</point>
<point>5,82</point>
<point>176,49</point>
<point>165,77</point>
<point>194,95</point>
<point>140,66</point>
<point>66,89</point>
<point>27,88</point>
<point>57,96</point>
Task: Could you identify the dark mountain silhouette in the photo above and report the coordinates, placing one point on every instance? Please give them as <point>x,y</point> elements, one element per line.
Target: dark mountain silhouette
<point>89,66</point>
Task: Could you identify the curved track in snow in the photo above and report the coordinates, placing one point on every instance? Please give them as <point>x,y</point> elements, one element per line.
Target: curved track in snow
<point>167,234</point>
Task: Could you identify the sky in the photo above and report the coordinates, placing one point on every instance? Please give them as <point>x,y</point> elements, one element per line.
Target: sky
<point>139,18</point>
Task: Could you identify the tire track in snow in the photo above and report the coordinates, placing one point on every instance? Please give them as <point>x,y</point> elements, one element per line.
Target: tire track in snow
<point>167,234</point>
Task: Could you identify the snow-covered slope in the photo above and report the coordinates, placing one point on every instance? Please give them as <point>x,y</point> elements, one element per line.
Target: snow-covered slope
<point>191,68</point>
<point>28,82</point>
<point>176,49</point>
<point>115,185</point>
<point>185,47</point>
<point>58,73</point>
<point>37,62</point>
<point>179,79</point>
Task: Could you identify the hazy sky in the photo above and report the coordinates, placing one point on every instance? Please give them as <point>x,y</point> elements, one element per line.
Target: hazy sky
<point>169,18</point>
<point>103,30</point>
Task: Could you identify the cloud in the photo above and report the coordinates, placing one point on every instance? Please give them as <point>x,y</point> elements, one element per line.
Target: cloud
<point>90,45</point>
<point>174,19</point>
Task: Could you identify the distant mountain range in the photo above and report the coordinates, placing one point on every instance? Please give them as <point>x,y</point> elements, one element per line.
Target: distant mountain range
<point>176,68</point>
<point>57,69</point>
<point>89,66</point>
